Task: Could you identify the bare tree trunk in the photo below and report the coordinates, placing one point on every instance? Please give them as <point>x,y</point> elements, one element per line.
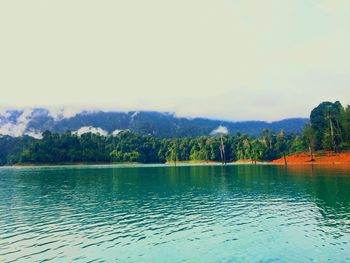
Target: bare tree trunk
<point>311,154</point>
<point>332,133</point>
<point>339,130</point>
<point>175,159</point>
<point>255,158</point>
<point>223,155</point>
<point>285,159</point>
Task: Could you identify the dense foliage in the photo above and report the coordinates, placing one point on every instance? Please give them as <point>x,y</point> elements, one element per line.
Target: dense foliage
<point>11,148</point>
<point>130,147</point>
<point>329,129</point>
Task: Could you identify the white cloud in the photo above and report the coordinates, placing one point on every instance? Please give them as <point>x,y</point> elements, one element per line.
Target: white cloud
<point>91,129</point>
<point>220,130</point>
<point>59,113</point>
<point>134,114</point>
<point>116,132</point>
<point>34,134</point>
<point>18,127</point>
<point>4,112</point>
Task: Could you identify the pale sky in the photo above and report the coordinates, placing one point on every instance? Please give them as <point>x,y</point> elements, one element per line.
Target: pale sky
<point>228,59</point>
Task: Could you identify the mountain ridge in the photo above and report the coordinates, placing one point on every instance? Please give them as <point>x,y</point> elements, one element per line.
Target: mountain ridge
<point>32,122</point>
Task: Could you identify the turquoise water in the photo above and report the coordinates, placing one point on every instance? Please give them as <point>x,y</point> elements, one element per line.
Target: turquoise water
<point>241,213</point>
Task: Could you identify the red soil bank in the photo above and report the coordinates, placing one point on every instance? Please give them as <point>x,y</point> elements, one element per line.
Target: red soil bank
<point>325,157</point>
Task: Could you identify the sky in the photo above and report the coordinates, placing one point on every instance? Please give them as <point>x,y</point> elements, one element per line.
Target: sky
<point>227,59</point>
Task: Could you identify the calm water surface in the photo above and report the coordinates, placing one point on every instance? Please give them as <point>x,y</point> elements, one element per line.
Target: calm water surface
<point>241,213</point>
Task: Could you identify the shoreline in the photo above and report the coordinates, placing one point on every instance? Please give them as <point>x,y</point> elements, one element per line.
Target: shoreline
<point>317,158</point>
<point>297,159</point>
<point>67,164</point>
<point>245,162</point>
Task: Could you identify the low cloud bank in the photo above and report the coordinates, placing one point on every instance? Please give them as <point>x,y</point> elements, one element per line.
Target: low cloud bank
<point>91,129</point>
<point>220,130</point>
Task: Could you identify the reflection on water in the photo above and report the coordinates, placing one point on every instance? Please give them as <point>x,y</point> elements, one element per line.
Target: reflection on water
<point>175,214</point>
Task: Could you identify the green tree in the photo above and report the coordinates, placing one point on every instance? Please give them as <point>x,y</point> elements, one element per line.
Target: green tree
<point>325,122</point>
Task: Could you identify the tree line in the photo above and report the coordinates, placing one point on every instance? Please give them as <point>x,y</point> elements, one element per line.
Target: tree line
<point>130,147</point>
<point>329,129</point>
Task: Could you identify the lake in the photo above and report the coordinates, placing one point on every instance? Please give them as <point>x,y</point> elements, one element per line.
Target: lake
<point>235,213</point>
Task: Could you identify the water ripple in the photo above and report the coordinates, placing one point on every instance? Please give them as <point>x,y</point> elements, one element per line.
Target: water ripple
<point>183,214</point>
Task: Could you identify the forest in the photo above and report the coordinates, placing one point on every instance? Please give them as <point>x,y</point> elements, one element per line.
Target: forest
<point>329,129</point>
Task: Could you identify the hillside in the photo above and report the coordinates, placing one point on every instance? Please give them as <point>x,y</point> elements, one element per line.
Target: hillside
<point>33,122</point>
